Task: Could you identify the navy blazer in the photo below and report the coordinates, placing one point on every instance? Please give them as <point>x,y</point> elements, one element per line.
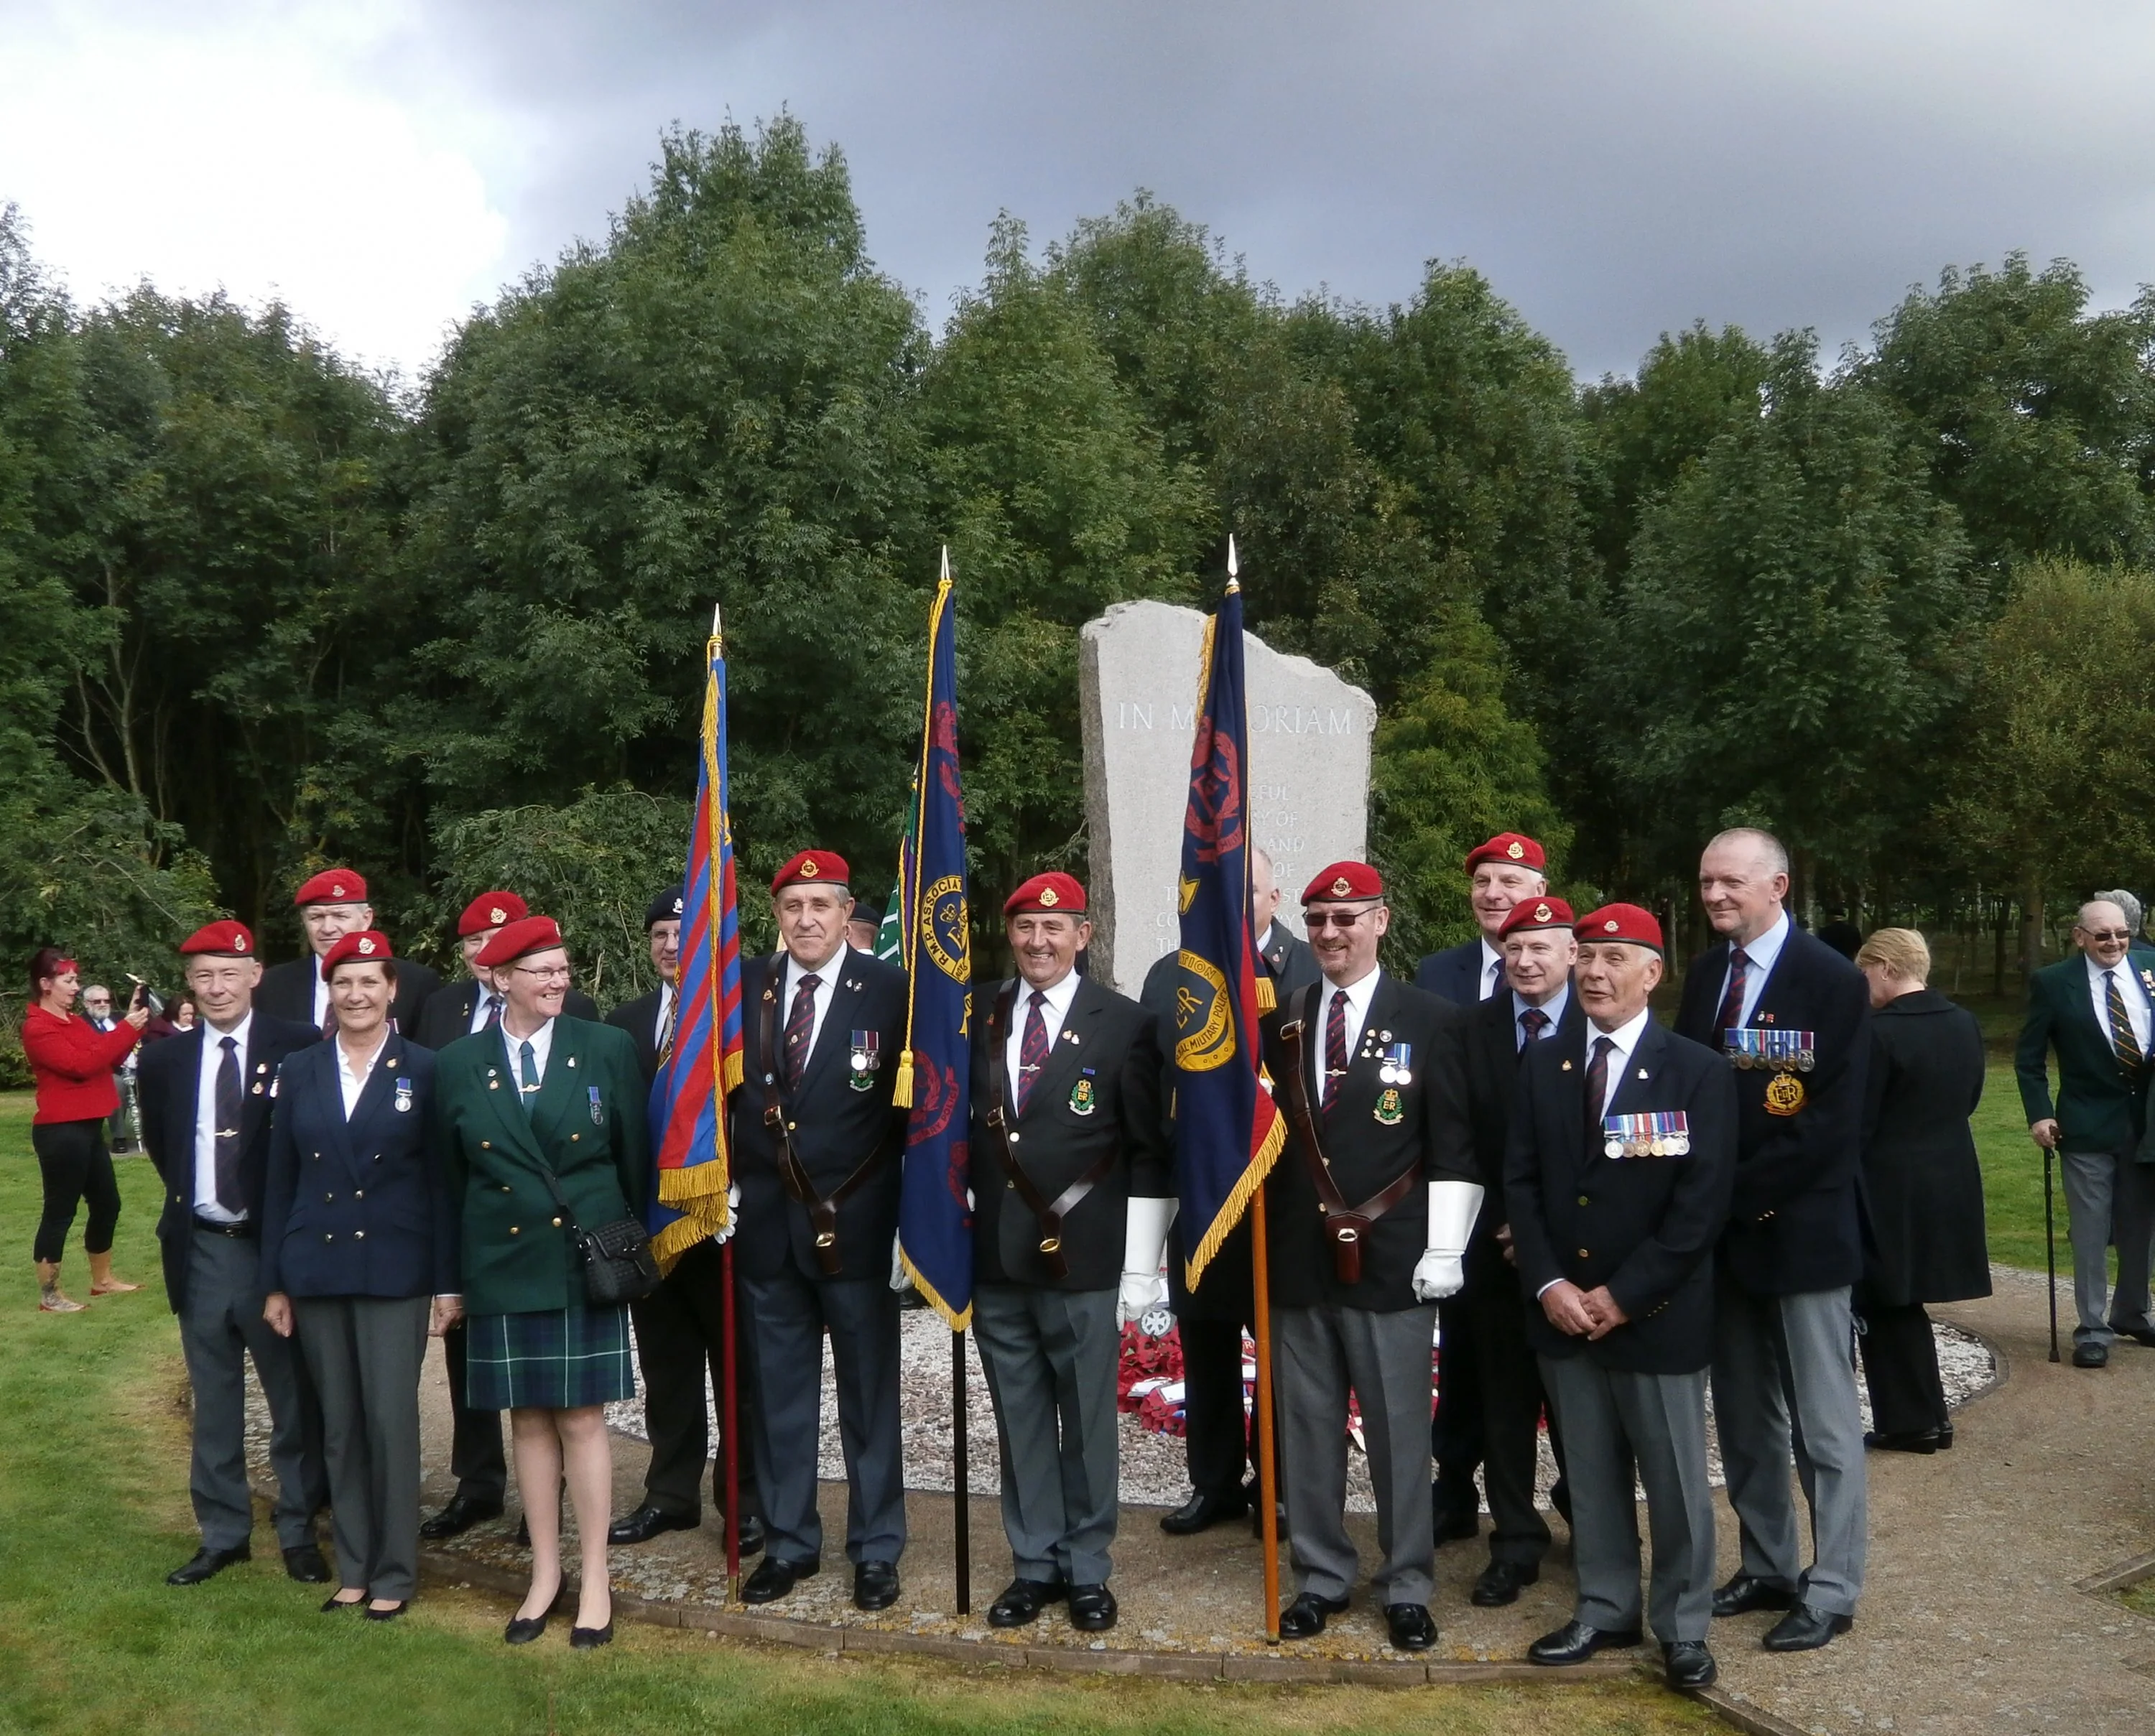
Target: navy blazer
<point>1494,1063</point>
<point>359,1207</point>
<point>1794,1224</point>
<point>1454,974</point>
<point>639,1018</point>
<point>1645,1226</point>
<point>836,1127</point>
<point>168,1079</point>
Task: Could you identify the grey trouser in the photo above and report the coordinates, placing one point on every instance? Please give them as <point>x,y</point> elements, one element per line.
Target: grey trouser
<point>2109,1198</point>
<point>1051,1358</point>
<point>1321,1352</point>
<point>220,1327</point>
<point>364,1353</point>
<point>1613,1419</point>
<point>789,1315</point>
<point>1784,1380</point>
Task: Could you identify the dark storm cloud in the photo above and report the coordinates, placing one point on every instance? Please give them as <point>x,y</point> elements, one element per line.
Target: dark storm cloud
<point>1615,170</point>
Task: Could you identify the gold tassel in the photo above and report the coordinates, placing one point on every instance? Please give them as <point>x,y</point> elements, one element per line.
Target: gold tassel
<point>901,1090</point>
<point>1268,996</point>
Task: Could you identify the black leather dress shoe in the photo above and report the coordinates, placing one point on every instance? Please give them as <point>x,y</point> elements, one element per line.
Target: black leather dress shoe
<point>2090,1356</point>
<point>646,1523</point>
<point>1903,1441</point>
<point>1688,1664</point>
<point>1804,1629</point>
<point>751,1534</point>
<point>584,1639</point>
<point>1500,1582</point>
<point>1410,1626</point>
<point>1945,1437</point>
<point>1201,1512</point>
<point>1746,1593</point>
<point>206,1564</point>
<point>303,1563</point>
<point>1304,1618</point>
<point>2138,1334</point>
<point>775,1578</point>
<point>1023,1600</point>
<point>875,1585</point>
<point>1091,1608</point>
<point>459,1517</point>
<point>1575,1643</point>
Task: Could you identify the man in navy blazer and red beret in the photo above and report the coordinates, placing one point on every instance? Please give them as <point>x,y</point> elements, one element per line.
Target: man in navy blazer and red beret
<point>330,905</point>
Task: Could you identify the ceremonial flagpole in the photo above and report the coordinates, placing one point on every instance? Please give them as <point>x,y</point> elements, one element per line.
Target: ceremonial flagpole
<point>729,1410</point>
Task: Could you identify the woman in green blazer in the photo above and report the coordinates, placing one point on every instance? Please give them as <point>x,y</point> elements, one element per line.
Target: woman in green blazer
<point>540,1095</point>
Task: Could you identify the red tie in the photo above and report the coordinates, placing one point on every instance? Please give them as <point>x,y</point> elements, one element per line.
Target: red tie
<point>800,1029</point>
<point>1731,1003</point>
<point>1597,1086</point>
<point>1335,1048</point>
<point>1534,1021</point>
<point>1032,1048</point>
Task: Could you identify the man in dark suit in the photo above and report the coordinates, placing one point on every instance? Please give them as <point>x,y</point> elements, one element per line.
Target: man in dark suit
<point>2094,1009</point>
<point>1072,1179</point>
<point>1617,1178</point>
<point>1793,1017</point>
<point>1371,1205</point>
<point>1210,1320</point>
<point>680,1327</point>
<point>455,1010</point>
<point>332,904</point>
<point>1501,871</point>
<point>816,1145</point>
<point>1538,1006</point>
<point>206,1096</point>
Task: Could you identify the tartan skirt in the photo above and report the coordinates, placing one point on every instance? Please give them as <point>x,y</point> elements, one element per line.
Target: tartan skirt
<point>556,1359</point>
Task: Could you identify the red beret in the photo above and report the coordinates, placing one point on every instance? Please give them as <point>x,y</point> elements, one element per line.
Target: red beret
<point>1343,881</point>
<point>332,886</point>
<point>512,940</point>
<point>371,945</point>
<point>821,867</point>
<point>1514,848</point>
<point>1620,921</point>
<point>221,939</point>
<point>1537,913</point>
<point>489,910</point>
<point>1057,894</point>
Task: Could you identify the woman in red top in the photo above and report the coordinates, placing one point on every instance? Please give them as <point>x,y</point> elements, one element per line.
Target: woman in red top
<point>72,1061</point>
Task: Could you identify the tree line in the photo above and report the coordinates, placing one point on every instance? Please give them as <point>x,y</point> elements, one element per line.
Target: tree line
<point>261,610</point>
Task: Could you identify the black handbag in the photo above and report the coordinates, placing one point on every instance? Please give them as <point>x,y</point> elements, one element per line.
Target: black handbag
<point>618,1264</point>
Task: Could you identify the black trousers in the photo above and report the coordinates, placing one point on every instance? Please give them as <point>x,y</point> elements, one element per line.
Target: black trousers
<point>1511,1401</point>
<point>680,1334</point>
<point>1219,1439</point>
<point>1456,1431</point>
<point>75,1165</point>
<point>476,1459</point>
<point>1901,1365</point>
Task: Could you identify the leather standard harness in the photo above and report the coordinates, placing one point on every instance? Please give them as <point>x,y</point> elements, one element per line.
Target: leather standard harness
<point>1345,1225</point>
<point>778,1118</point>
<point>1050,1213</point>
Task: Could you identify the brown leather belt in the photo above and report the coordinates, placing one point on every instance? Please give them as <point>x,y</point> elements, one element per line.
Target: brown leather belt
<point>1345,1225</point>
<point>778,1118</point>
<point>1050,1213</point>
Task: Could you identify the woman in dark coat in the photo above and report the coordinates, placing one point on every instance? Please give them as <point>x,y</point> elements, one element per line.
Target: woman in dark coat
<point>1923,1187</point>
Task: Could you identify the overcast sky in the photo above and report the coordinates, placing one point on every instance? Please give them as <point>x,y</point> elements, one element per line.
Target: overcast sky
<point>1616,169</point>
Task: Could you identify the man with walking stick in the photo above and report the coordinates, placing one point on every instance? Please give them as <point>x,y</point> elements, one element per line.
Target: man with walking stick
<point>2095,1010</point>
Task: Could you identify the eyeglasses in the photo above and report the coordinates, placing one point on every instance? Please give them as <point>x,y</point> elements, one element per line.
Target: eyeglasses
<point>557,973</point>
<point>2107,934</point>
<point>1316,921</point>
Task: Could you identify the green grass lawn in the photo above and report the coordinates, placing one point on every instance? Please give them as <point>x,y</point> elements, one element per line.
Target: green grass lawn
<point>93,1513</point>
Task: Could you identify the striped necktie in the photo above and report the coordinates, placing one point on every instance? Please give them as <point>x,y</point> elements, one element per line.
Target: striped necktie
<point>2122,1038</point>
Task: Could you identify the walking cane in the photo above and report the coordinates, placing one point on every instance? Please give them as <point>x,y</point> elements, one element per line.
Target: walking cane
<point>2051,1247</point>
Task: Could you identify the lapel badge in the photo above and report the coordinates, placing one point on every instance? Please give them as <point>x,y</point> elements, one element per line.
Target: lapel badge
<point>572,1060</point>
<point>403,1097</point>
<point>261,1067</point>
<point>1083,1100</point>
<point>1389,1112</point>
<point>1567,1067</point>
<point>598,1111</point>
<point>1397,1069</point>
<point>258,1088</point>
<point>865,1060</point>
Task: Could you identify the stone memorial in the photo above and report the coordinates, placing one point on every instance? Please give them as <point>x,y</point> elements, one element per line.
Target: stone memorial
<point>1309,773</point>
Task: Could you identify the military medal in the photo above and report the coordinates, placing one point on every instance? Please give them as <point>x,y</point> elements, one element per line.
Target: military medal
<point>865,1060</point>
<point>403,1097</point>
<point>1083,1099</point>
<point>1388,1112</point>
<point>1659,1132</point>
<point>1396,1070</point>
<point>598,1113</point>
<point>1784,1096</point>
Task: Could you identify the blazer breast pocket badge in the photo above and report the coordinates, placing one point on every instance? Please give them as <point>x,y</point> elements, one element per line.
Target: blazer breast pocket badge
<point>403,1097</point>
<point>865,1060</point>
<point>598,1109</point>
<point>1084,1096</point>
<point>1661,1133</point>
<point>1389,1111</point>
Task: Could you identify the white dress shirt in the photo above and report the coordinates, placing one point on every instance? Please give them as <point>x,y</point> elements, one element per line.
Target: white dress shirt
<point>480,1002</point>
<point>1492,971</point>
<point>1359,994</point>
<point>321,993</point>
<point>826,976</point>
<point>1553,1008</point>
<point>1053,1010</point>
<point>351,1079</point>
<point>213,1057</point>
<point>1764,953</point>
<point>542,1045</point>
<point>1625,1037</point>
<point>665,1012</point>
<point>2129,990</point>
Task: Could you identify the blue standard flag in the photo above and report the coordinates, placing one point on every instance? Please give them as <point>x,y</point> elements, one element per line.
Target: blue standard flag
<point>935,1077</point>
<point>1228,1128</point>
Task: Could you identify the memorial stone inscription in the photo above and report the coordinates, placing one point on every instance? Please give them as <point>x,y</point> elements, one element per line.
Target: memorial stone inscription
<point>1309,773</point>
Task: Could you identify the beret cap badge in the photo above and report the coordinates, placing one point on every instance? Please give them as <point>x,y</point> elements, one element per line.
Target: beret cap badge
<point>1341,887</point>
<point>1542,913</point>
<point>499,915</point>
<point>1049,898</point>
<point>1515,849</point>
<point>808,870</point>
<point>366,948</point>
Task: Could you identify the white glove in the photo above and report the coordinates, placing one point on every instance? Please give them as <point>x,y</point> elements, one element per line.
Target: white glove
<point>733,1214</point>
<point>1441,1271</point>
<point>1144,1241</point>
<point>901,1280</point>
